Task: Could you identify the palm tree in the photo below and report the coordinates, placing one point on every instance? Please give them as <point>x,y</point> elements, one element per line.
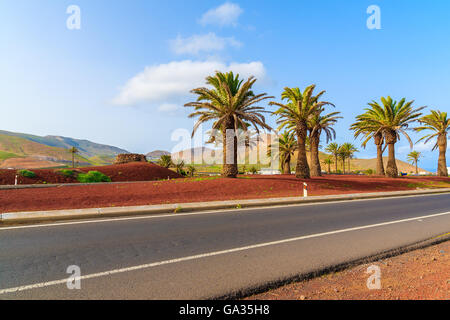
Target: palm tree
<point>73,151</point>
<point>191,170</point>
<point>333,148</point>
<point>348,149</point>
<point>414,157</point>
<point>390,119</point>
<point>328,161</point>
<point>165,161</point>
<point>179,166</point>
<point>369,131</point>
<point>438,122</point>
<point>318,124</point>
<point>231,104</point>
<point>294,116</point>
<point>287,146</point>
<point>342,154</point>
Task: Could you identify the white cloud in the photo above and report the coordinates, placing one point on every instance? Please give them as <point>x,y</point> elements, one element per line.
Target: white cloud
<point>421,147</point>
<point>202,43</point>
<point>224,15</point>
<point>172,82</point>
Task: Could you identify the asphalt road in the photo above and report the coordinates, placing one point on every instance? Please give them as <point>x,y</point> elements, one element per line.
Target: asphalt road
<point>207,255</point>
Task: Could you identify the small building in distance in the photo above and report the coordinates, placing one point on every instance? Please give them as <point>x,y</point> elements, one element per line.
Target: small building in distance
<point>129,157</point>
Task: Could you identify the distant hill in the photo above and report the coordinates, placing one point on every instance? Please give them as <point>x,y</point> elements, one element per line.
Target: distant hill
<point>155,155</point>
<point>19,150</point>
<point>86,147</point>
<point>204,155</point>
<point>364,164</point>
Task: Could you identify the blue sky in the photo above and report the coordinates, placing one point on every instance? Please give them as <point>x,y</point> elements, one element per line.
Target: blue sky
<point>123,77</point>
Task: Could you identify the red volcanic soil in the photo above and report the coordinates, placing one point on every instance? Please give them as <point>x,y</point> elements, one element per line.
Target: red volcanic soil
<point>199,190</point>
<point>137,171</point>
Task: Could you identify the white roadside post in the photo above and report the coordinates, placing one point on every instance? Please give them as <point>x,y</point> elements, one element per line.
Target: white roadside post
<point>305,189</point>
<point>15,180</point>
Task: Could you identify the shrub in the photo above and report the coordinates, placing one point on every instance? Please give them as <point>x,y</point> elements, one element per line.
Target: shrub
<point>66,172</point>
<point>369,172</point>
<point>253,170</point>
<point>27,173</point>
<point>178,209</point>
<point>93,177</point>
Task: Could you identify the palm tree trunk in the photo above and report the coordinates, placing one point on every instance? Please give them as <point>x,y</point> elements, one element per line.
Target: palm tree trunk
<point>417,169</point>
<point>380,165</point>
<point>73,159</point>
<point>442,162</point>
<point>316,170</point>
<point>391,168</point>
<point>379,143</point>
<point>349,165</point>
<point>336,162</point>
<point>329,168</point>
<point>302,169</point>
<point>287,165</point>
<point>343,165</point>
<point>229,168</point>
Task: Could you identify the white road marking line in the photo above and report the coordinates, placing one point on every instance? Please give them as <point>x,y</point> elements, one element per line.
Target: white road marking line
<point>211,254</point>
<point>174,215</point>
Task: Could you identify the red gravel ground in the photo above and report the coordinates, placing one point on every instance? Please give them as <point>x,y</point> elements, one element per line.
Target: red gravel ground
<point>137,171</point>
<point>418,275</point>
<point>199,190</point>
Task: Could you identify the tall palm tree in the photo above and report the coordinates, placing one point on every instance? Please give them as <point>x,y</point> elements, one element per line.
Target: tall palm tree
<point>287,146</point>
<point>328,162</point>
<point>437,122</point>
<point>348,149</point>
<point>294,116</point>
<point>370,131</point>
<point>317,124</point>
<point>333,148</point>
<point>342,154</point>
<point>390,119</point>
<point>414,157</point>
<point>73,151</point>
<point>230,103</point>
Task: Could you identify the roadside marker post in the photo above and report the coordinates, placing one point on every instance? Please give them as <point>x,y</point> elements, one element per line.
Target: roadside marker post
<point>15,180</point>
<point>305,190</point>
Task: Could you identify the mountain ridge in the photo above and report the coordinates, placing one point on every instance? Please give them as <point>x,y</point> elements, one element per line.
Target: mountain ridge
<point>21,150</point>
<point>86,148</point>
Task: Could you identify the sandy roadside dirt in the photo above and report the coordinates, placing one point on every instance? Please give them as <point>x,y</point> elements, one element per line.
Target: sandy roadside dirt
<point>417,275</point>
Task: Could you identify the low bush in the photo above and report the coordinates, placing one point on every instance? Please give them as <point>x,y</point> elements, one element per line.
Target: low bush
<point>369,172</point>
<point>27,173</point>
<point>66,172</point>
<point>93,177</point>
